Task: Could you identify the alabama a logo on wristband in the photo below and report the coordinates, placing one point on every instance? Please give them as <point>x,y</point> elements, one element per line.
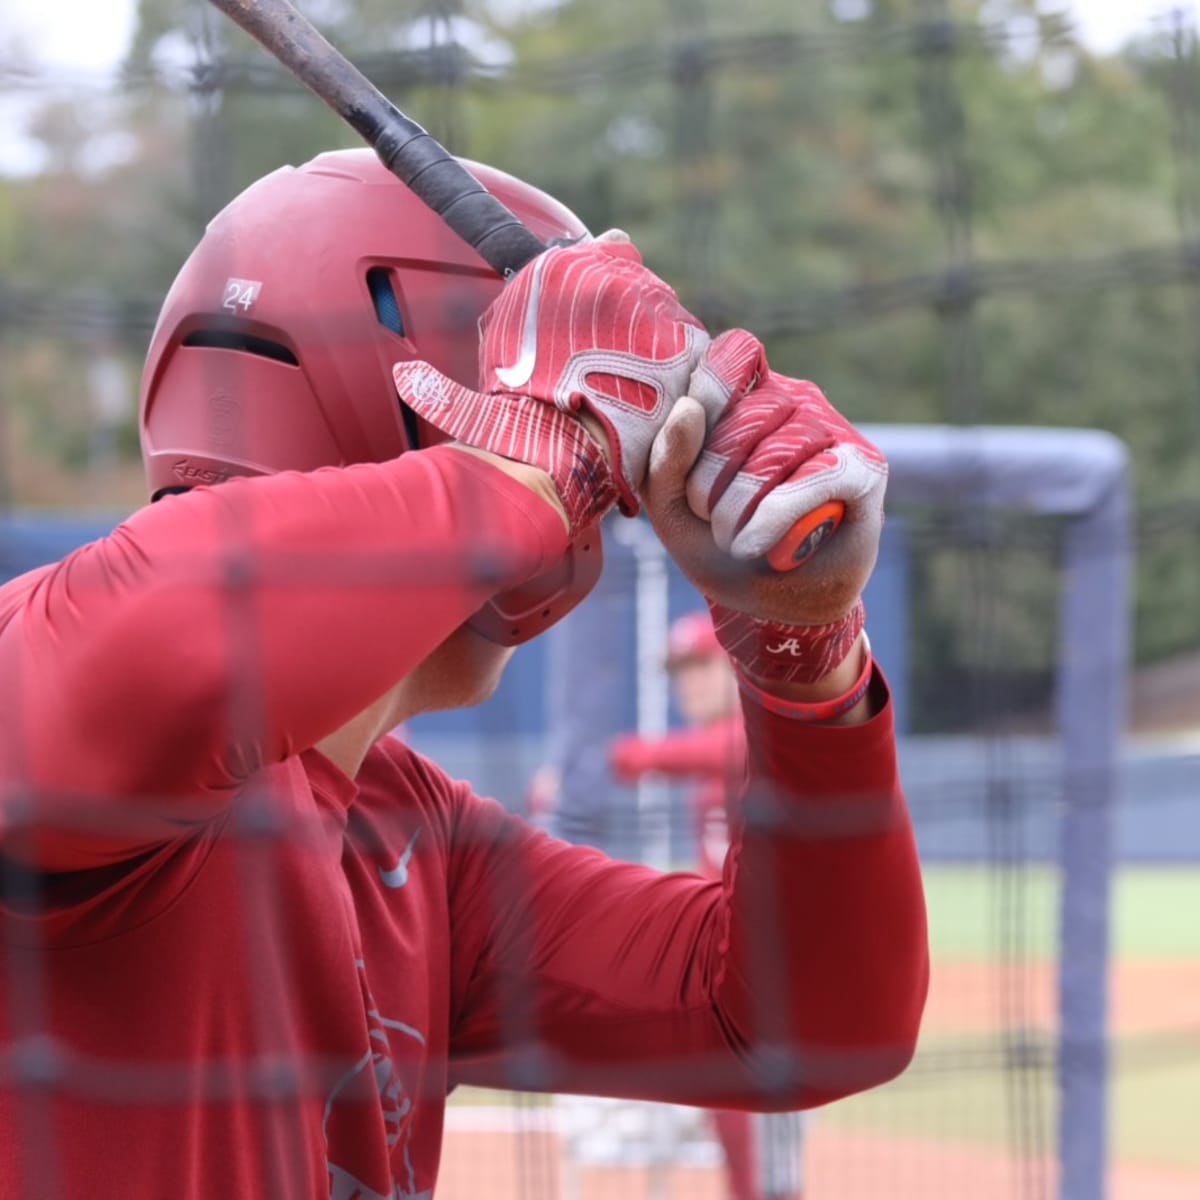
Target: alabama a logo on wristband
<point>792,646</point>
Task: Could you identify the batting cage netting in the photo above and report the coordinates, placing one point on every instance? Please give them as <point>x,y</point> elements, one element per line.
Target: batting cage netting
<point>977,226</point>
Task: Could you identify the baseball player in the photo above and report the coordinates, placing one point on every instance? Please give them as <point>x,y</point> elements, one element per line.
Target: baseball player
<point>250,942</point>
<point>762,1152</point>
<point>711,751</point>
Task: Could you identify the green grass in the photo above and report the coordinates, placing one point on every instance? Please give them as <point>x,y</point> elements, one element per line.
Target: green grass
<point>1156,912</point>
<point>969,906</point>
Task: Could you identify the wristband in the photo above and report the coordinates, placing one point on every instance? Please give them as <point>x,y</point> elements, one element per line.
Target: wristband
<point>785,653</point>
<point>821,710</point>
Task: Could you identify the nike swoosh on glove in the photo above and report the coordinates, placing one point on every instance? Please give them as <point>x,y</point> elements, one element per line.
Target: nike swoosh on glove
<point>581,328</point>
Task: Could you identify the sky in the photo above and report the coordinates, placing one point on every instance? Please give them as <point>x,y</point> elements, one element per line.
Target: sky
<point>88,38</point>
<point>91,36</point>
<point>1105,24</point>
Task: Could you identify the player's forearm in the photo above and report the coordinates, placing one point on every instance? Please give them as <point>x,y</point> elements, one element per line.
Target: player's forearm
<point>829,953</point>
<point>681,985</point>
<point>703,751</point>
<point>233,626</point>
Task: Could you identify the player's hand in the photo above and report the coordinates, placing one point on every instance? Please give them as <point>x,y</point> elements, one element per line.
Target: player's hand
<point>779,452</point>
<point>583,329</point>
<point>715,509</point>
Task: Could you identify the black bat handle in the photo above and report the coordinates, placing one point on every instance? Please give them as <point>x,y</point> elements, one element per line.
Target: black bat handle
<point>408,151</point>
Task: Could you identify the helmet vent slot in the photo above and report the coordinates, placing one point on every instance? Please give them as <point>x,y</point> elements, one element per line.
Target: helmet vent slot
<point>383,295</point>
<point>231,339</point>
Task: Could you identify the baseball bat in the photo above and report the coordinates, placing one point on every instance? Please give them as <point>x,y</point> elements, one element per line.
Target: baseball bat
<point>440,181</point>
<point>404,147</point>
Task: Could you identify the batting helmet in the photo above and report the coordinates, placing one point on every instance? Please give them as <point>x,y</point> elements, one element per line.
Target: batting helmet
<point>274,347</point>
<point>275,344</point>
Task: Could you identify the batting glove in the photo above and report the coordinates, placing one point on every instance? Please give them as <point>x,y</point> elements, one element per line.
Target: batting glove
<point>582,328</point>
<point>779,451</point>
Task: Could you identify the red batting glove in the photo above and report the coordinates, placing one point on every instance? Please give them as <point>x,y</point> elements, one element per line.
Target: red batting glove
<point>780,451</point>
<point>580,328</point>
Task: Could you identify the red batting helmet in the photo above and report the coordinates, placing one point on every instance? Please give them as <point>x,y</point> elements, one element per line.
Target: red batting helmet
<point>275,345</point>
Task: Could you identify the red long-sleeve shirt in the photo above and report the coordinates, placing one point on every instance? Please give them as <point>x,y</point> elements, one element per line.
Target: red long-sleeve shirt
<point>230,970</point>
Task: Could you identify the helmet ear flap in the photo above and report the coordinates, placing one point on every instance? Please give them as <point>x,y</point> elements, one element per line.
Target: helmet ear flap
<point>523,613</point>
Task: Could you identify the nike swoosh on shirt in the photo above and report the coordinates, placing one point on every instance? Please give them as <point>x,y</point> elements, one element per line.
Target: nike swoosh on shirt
<point>397,877</point>
<point>521,372</point>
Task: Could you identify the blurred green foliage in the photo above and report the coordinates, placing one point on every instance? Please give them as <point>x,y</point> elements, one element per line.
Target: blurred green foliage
<point>783,165</point>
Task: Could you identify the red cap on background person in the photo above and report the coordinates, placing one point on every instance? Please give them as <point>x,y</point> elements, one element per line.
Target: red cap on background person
<point>690,637</point>
<point>705,691</point>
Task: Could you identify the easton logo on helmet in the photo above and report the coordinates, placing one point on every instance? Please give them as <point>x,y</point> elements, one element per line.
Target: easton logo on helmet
<point>191,472</point>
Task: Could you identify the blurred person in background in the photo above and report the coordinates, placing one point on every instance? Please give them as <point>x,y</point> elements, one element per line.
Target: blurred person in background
<point>763,1152</point>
